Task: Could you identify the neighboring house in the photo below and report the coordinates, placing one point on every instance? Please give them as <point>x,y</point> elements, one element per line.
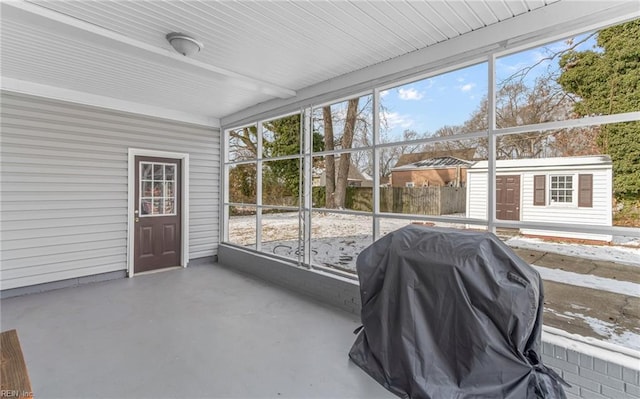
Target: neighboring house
<point>439,171</point>
<point>575,190</point>
<point>464,153</point>
<point>354,179</point>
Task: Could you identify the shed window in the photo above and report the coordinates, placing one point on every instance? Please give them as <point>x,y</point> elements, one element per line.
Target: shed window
<point>561,190</point>
<point>409,184</point>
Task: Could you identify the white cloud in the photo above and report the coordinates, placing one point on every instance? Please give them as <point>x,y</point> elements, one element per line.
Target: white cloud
<point>409,94</point>
<point>467,87</point>
<point>429,82</point>
<point>394,119</point>
<point>384,93</point>
<point>504,66</point>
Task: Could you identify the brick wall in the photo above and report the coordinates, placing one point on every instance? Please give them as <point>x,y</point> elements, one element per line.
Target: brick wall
<point>430,177</point>
<point>595,370</point>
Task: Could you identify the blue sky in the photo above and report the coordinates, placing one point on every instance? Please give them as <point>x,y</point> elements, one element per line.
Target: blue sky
<point>450,98</point>
<point>431,103</point>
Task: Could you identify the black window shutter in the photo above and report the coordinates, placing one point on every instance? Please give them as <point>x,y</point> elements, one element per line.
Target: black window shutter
<point>585,191</point>
<point>539,190</point>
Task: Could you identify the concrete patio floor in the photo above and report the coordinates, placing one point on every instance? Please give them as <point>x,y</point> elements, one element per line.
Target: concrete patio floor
<point>201,332</point>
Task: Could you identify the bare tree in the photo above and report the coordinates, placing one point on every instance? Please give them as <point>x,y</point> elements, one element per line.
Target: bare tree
<point>345,158</point>
<point>342,127</point>
<point>243,144</point>
<point>517,105</point>
<point>576,141</point>
<point>453,145</point>
<point>551,55</point>
<point>389,156</point>
<point>330,164</point>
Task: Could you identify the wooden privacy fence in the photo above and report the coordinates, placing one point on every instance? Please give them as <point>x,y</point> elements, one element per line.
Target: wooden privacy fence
<point>415,200</point>
<point>423,200</point>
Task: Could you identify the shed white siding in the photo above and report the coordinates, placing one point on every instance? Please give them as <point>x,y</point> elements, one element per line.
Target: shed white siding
<point>599,214</point>
<point>64,187</point>
<point>477,189</point>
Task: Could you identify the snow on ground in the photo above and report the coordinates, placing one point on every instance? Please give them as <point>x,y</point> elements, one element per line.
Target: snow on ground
<point>589,281</point>
<point>341,253</point>
<point>329,227</point>
<point>338,239</point>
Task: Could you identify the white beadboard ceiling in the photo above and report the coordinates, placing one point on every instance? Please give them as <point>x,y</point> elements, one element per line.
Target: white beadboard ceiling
<point>254,51</point>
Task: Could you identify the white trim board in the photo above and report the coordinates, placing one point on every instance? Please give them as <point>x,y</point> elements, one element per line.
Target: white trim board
<point>95,100</point>
<point>133,153</point>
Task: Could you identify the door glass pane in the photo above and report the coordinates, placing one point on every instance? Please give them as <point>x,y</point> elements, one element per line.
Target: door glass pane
<point>169,206</point>
<point>157,207</point>
<point>169,171</point>
<point>146,188</point>
<point>158,172</point>
<point>145,208</point>
<point>157,189</point>
<point>147,169</point>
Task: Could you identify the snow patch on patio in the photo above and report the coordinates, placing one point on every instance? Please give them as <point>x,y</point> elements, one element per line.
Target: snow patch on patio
<point>612,253</point>
<point>589,281</point>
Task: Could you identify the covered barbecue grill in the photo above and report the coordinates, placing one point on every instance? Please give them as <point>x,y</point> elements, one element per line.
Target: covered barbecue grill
<point>451,314</point>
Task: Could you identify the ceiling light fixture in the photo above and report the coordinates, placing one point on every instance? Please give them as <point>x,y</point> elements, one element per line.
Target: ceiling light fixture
<point>185,45</point>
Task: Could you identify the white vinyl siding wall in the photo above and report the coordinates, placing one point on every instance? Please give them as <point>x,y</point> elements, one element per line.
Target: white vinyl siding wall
<point>600,214</point>
<point>477,189</point>
<point>64,187</point>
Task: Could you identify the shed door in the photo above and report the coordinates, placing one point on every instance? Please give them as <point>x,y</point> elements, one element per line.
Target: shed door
<point>157,213</point>
<point>508,197</point>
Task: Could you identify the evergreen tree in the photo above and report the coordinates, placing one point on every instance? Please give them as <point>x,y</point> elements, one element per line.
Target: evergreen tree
<point>283,137</point>
<point>606,81</point>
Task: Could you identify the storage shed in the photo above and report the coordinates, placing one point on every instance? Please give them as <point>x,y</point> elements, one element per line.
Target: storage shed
<point>574,190</point>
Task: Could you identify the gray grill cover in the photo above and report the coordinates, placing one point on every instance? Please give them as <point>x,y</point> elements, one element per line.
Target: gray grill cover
<point>451,314</point>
